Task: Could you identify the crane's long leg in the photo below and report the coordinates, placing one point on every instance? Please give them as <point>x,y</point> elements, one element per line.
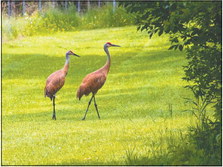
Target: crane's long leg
<point>96,107</point>
<point>54,112</point>
<point>89,103</point>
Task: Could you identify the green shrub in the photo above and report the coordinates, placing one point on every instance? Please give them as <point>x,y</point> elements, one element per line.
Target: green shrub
<point>194,148</point>
<point>106,17</point>
<point>55,20</point>
<point>208,139</point>
<point>58,20</point>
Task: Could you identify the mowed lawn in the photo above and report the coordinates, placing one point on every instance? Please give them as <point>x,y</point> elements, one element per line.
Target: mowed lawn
<point>144,80</point>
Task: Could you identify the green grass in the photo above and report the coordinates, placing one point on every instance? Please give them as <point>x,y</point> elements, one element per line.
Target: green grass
<point>135,120</point>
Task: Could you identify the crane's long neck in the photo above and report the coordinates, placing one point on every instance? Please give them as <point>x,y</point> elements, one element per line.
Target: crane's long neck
<point>66,65</point>
<point>108,62</point>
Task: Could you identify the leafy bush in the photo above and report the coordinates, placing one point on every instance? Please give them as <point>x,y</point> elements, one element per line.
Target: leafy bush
<point>58,20</point>
<point>196,26</point>
<point>208,139</point>
<point>194,148</point>
<point>177,150</point>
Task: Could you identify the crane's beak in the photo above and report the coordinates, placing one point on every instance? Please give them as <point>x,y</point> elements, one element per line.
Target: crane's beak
<point>76,55</point>
<point>115,45</point>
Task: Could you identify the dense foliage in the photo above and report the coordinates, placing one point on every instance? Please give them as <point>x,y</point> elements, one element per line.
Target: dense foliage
<point>195,26</point>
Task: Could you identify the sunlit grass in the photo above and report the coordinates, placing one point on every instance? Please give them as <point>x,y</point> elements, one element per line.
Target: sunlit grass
<point>92,142</point>
<point>144,79</point>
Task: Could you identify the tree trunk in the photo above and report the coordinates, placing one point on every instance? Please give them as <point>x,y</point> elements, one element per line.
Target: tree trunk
<point>40,5</point>
<point>53,3</point>
<point>23,7</point>
<point>12,6</point>
<point>88,4</point>
<point>9,8</point>
<point>114,5</point>
<point>99,3</point>
<point>66,4</point>
<point>78,6</point>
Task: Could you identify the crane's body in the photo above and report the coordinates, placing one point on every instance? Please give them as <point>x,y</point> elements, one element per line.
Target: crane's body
<point>95,80</point>
<point>56,81</point>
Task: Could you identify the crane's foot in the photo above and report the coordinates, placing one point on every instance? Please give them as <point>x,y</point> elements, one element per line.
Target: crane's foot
<point>83,118</point>
<point>54,117</point>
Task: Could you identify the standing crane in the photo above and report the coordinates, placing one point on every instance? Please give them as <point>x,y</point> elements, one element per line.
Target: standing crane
<point>95,80</point>
<point>56,81</point>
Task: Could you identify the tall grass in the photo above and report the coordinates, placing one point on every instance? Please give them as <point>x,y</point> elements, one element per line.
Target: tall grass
<point>172,149</point>
<point>55,20</point>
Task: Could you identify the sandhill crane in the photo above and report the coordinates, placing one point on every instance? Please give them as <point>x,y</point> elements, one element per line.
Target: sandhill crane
<point>95,80</point>
<point>56,81</point>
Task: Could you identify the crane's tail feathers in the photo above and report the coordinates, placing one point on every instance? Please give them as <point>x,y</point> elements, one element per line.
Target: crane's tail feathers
<point>80,93</point>
<point>46,93</point>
